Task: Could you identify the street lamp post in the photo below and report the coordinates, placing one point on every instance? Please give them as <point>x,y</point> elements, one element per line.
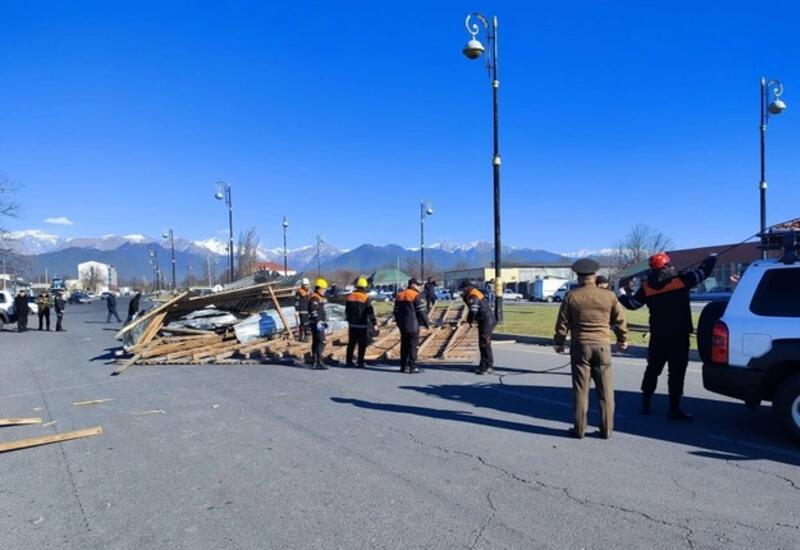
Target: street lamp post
<point>224,193</point>
<point>425,210</point>
<point>171,236</point>
<point>473,50</point>
<point>775,107</point>
<point>320,241</point>
<point>285,250</point>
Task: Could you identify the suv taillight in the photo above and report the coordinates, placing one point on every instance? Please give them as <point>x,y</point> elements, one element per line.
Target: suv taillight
<point>719,343</point>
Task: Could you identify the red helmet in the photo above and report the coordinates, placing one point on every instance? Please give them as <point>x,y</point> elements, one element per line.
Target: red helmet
<point>659,261</point>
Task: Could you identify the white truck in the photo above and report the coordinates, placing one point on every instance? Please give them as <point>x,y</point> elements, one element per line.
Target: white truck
<point>545,289</point>
<point>750,345</point>
<point>7,313</point>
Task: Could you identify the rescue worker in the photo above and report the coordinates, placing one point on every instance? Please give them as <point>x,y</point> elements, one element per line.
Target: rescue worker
<point>587,312</point>
<point>301,306</point>
<point>409,314</point>
<point>361,319</point>
<point>111,305</point>
<point>133,306</point>
<point>317,319</point>
<point>22,310</point>
<point>60,305</point>
<point>430,294</point>
<point>665,291</point>
<point>480,312</point>
<point>43,303</point>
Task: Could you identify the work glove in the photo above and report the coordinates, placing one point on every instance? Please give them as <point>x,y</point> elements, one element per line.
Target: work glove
<point>321,326</point>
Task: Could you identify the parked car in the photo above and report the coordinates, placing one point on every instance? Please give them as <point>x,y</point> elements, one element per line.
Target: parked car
<point>750,344</point>
<point>510,296</point>
<point>33,307</point>
<point>7,314</point>
<point>79,298</point>
<point>562,292</point>
<point>443,294</point>
<point>378,295</point>
<point>545,289</point>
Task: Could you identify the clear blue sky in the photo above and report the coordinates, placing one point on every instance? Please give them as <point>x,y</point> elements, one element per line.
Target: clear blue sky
<point>121,116</point>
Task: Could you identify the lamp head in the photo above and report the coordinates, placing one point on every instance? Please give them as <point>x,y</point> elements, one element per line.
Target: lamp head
<point>285,223</point>
<point>473,49</point>
<point>429,211</point>
<point>165,235</point>
<point>776,107</point>
<point>219,195</point>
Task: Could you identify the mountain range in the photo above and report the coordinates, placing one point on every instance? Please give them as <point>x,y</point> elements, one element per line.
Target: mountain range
<point>130,254</point>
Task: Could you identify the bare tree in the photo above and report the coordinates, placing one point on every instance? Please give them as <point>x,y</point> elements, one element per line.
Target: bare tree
<point>8,209</point>
<point>641,242</point>
<point>90,280</point>
<point>247,252</point>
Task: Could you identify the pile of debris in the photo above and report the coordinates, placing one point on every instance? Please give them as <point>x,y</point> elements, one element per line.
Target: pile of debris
<point>255,324</point>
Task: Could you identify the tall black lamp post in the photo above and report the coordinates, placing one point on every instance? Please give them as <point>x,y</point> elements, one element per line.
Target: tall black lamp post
<point>774,107</point>
<point>224,193</point>
<point>285,249</point>
<point>473,50</point>
<point>425,210</point>
<point>171,236</point>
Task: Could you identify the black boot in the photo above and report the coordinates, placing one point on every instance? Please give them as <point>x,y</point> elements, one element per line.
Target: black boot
<point>675,412</point>
<point>646,400</point>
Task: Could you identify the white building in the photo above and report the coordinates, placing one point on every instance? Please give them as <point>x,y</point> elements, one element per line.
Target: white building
<point>97,276</point>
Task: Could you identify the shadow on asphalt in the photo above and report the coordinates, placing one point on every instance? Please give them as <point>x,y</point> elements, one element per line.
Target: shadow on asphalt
<point>721,430</point>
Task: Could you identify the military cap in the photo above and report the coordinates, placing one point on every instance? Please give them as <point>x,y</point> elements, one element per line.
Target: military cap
<point>585,266</point>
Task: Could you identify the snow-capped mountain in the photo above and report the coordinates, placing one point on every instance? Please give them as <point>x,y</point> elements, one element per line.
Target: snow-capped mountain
<point>29,242</point>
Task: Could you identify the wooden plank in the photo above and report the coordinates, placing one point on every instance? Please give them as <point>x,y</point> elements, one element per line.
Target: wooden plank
<point>120,369</point>
<point>47,439</point>
<point>188,331</point>
<point>163,308</point>
<point>92,402</point>
<point>152,328</point>
<point>19,421</point>
<point>280,313</point>
<point>454,338</point>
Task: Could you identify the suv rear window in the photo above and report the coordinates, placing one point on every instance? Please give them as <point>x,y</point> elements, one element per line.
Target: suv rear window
<point>778,294</point>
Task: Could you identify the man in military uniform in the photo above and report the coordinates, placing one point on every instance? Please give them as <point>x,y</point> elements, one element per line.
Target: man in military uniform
<point>665,291</point>
<point>360,318</point>
<point>301,306</point>
<point>588,312</point>
<point>480,312</point>
<point>409,313</point>
<point>43,303</point>
<point>317,318</point>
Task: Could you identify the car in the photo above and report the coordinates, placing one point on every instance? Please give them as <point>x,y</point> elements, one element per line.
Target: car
<point>33,307</point>
<point>509,296</point>
<point>443,294</point>
<point>561,293</point>
<point>7,314</point>
<point>79,298</point>
<point>377,296</point>
<point>750,344</point>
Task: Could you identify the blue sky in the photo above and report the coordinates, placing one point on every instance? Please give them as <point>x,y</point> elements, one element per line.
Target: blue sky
<point>121,116</point>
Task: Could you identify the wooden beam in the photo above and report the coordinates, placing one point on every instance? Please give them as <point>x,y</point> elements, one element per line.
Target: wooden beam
<point>19,421</point>
<point>280,313</point>
<point>47,439</point>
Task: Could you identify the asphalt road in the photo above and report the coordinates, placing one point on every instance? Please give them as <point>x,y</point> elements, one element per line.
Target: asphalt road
<point>274,456</point>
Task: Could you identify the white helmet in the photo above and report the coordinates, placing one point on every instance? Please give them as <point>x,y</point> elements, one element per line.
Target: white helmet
<point>305,282</point>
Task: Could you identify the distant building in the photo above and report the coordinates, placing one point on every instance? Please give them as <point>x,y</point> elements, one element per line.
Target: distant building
<point>518,277</point>
<point>388,279</point>
<point>97,276</point>
<point>276,267</point>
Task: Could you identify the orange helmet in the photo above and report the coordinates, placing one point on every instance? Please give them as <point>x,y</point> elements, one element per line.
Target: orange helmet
<point>659,261</point>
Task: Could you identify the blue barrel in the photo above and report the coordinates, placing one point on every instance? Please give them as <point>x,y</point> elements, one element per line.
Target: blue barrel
<point>266,325</point>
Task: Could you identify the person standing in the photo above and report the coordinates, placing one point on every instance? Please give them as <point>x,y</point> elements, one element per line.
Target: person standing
<point>409,314</point>
<point>133,306</point>
<point>360,318</point>
<point>301,306</point>
<point>665,291</point>
<point>111,304</point>
<point>480,312</point>
<point>587,312</point>
<point>430,294</point>
<point>22,310</point>
<point>317,318</point>
<point>60,304</point>
<point>43,304</point>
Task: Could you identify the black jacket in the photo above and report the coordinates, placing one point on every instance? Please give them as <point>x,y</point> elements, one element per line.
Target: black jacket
<point>111,302</point>
<point>430,290</point>
<point>666,294</point>
<point>410,311</point>
<point>60,304</point>
<point>21,305</point>
<point>358,310</point>
<point>480,310</point>
<point>316,307</point>
<point>301,301</point>
<point>133,305</point>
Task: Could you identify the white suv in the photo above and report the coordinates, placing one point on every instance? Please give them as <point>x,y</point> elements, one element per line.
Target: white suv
<point>751,346</point>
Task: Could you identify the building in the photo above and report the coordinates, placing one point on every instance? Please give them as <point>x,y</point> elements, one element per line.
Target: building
<point>388,279</point>
<point>276,267</point>
<point>517,277</point>
<point>97,276</point>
